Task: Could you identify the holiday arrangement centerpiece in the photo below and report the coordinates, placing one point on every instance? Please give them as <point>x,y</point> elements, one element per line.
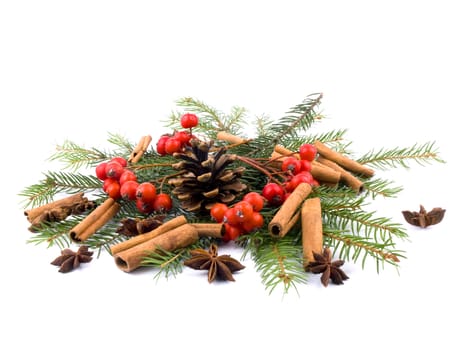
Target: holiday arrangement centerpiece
<point>294,200</point>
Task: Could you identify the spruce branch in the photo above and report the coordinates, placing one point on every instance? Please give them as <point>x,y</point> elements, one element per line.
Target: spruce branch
<point>58,182</point>
<point>237,117</point>
<point>212,116</point>
<point>277,261</point>
<point>124,145</point>
<point>381,187</point>
<point>299,118</point>
<point>55,233</point>
<point>352,247</point>
<point>329,137</point>
<point>75,156</point>
<point>263,125</point>
<point>392,158</point>
<point>360,222</point>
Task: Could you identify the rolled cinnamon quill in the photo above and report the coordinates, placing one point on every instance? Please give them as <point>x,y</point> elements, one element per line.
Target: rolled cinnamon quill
<point>209,230</point>
<point>280,224</point>
<point>95,220</point>
<point>342,160</point>
<point>69,201</point>
<point>324,174</point>
<point>312,229</point>
<point>225,136</point>
<point>140,148</point>
<point>284,151</point>
<point>350,180</point>
<point>134,241</point>
<point>180,237</point>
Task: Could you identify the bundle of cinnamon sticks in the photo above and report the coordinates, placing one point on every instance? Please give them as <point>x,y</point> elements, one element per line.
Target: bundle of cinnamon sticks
<point>172,235</point>
<point>329,168</point>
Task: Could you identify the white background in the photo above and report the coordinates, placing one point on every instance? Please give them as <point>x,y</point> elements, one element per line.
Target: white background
<point>393,73</point>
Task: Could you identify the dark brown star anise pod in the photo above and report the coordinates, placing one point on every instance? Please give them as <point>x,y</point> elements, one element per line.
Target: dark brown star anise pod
<point>221,266</point>
<point>423,218</point>
<point>70,260</point>
<point>133,227</point>
<point>330,269</point>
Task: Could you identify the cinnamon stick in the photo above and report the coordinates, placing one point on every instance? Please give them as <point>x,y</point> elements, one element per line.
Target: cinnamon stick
<point>140,148</point>
<point>95,220</point>
<point>209,230</point>
<point>165,227</point>
<point>324,174</point>
<point>225,136</point>
<point>69,201</point>
<point>350,180</point>
<point>286,152</point>
<point>312,229</point>
<point>342,160</point>
<point>279,225</point>
<point>179,237</point>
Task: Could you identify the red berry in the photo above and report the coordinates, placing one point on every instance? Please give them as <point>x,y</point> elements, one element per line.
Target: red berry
<point>161,145</point>
<point>231,217</point>
<point>172,145</point>
<point>183,136</point>
<point>231,232</point>
<point>218,211</point>
<point>143,207</point>
<point>128,189</point>
<point>113,190</point>
<point>308,152</point>
<point>273,193</point>
<point>189,120</point>
<point>146,192</point>
<point>163,202</point>
<point>127,175</point>
<point>120,160</point>
<point>114,170</point>
<point>243,210</point>
<point>100,171</point>
<point>291,164</point>
<point>305,165</point>
<point>302,176</point>
<point>107,183</point>
<point>256,221</point>
<point>255,199</point>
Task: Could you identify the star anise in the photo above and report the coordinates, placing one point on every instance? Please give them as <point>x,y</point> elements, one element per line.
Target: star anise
<point>132,227</point>
<point>330,269</point>
<point>69,260</point>
<point>221,266</point>
<point>423,218</point>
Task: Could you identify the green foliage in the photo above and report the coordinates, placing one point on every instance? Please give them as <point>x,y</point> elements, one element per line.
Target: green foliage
<point>400,156</point>
<point>278,261</point>
<point>286,130</point>
<point>381,187</point>
<point>353,232</point>
<point>354,248</point>
<point>56,183</point>
<point>211,120</point>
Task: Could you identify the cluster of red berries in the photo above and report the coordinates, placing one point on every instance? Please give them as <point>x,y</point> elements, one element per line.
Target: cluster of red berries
<point>120,182</point>
<point>297,170</point>
<point>241,218</point>
<point>170,144</point>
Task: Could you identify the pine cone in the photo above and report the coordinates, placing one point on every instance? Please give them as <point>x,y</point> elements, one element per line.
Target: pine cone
<point>207,180</point>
